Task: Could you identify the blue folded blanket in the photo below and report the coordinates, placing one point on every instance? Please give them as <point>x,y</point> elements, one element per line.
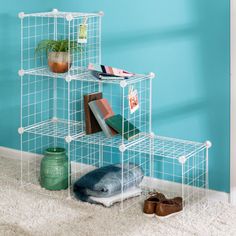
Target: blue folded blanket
<point>106,181</point>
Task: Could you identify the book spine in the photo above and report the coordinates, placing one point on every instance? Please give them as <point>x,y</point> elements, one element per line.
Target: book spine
<point>111,78</point>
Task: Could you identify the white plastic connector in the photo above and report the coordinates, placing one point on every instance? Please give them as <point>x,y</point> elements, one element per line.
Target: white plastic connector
<point>152,135</point>
<point>54,119</point>
<point>68,78</point>
<point>122,148</point>
<point>208,144</point>
<point>68,139</point>
<point>21,130</point>
<point>69,17</point>
<point>21,72</point>
<point>101,13</point>
<point>55,11</point>
<point>21,15</point>
<point>152,75</point>
<point>123,83</point>
<point>182,159</point>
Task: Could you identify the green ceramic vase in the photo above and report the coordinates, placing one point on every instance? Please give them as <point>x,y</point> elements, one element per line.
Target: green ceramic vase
<point>54,169</point>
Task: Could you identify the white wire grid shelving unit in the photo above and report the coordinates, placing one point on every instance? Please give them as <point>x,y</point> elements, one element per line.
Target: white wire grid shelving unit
<point>52,114</point>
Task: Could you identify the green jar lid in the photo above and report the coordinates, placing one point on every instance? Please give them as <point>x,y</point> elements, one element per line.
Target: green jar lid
<point>55,151</point>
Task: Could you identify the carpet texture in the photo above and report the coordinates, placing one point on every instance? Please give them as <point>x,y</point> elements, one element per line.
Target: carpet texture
<point>25,211</point>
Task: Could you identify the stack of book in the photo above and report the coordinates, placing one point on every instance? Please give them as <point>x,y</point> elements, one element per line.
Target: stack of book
<point>108,73</point>
<point>99,116</point>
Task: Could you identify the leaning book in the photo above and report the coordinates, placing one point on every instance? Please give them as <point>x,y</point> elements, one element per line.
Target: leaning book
<point>128,131</point>
<point>102,111</point>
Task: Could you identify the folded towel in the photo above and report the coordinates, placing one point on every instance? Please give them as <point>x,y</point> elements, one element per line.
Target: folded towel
<point>106,181</point>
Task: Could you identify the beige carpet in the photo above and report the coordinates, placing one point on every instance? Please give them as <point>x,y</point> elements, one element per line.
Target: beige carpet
<point>25,211</point>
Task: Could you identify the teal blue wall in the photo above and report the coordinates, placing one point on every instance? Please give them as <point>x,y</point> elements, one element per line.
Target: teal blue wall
<point>185,42</point>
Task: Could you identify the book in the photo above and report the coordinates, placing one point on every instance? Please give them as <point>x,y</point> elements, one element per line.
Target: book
<point>102,111</point>
<point>109,71</point>
<point>130,131</point>
<point>104,76</point>
<point>91,124</point>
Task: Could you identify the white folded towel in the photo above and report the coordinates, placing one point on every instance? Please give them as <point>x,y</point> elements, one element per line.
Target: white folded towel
<point>109,201</point>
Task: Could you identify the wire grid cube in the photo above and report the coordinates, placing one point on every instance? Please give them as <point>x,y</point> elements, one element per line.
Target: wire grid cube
<point>170,166</point>
<point>59,26</point>
<point>178,168</point>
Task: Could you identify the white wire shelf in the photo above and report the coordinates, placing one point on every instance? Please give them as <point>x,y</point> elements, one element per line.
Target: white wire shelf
<point>78,73</point>
<point>56,128</point>
<point>144,143</point>
<point>59,128</point>
<point>116,141</point>
<point>156,145</point>
<point>59,14</point>
<point>168,147</point>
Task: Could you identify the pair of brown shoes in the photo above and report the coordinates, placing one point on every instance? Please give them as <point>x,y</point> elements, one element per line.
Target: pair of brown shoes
<point>159,205</point>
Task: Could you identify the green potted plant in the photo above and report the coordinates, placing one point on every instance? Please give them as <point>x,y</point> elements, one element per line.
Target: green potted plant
<point>59,60</point>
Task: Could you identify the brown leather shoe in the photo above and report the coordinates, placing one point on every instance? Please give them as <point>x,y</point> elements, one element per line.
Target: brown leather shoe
<point>168,207</point>
<point>150,204</point>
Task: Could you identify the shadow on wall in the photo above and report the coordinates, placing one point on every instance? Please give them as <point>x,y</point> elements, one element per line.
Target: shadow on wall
<point>170,113</point>
<point>135,38</point>
<point>215,67</point>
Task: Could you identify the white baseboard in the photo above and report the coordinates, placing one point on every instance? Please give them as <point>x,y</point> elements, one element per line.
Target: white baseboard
<point>147,181</point>
<point>233,195</point>
<point>16,154</point>
<point>154,183</point>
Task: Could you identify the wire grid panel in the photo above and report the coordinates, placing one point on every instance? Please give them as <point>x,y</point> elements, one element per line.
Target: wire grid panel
<point>168,147</point>
<point>118,99</point>
<point>195,180</point>
<point>186,178</point>
<point>33,149</point>
<point>116,141</point>
<point>90,51</point>
<point>177,168</point>
<point>57,128</point>
<point>132,162</point>
<point>34,29</point>
<point>77,90</point>
<point>36,99</point>
<point>83,74</point>
<point>53,107</point>
<point>87,157</point>
<point>90,156</point>
<point>60,14</point>
<point>135,166</point>
<point>84,158</point>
